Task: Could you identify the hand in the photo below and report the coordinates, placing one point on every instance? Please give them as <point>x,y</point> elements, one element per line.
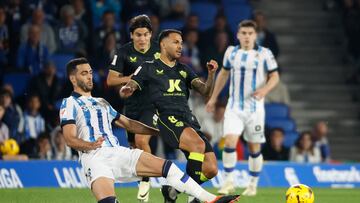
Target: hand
<point>97,143</point>
<point>126,91</point>
<point>212,66</point>
<point>210,105</point>
<point>259,93</point>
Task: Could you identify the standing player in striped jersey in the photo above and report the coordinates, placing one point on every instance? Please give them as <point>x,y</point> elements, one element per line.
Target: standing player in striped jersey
<point>253,73</point>
<point>125,62</point>
<point>86,123</point>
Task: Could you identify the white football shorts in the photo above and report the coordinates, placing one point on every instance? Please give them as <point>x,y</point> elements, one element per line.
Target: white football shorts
<point>117,163</point>
<point>241,122</point>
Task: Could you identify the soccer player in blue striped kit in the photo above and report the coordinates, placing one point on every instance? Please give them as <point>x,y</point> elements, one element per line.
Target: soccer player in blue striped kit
<point>86,123</point>
<point>253,74</point>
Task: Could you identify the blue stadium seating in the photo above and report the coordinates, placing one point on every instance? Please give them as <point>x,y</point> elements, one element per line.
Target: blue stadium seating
<point>237,13</point>
<point>276,110</point>
<point>290,138</point>
<point>18,81</point>
<point>60,61</point>
<point>206,13</point>
<point>288,125</point>
<point>173,24</point>
<point>234,2</point>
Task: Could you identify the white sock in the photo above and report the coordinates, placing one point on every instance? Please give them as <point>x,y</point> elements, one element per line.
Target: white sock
<point>229,161</point>
<point>255,167</point>
<point>184,183</point>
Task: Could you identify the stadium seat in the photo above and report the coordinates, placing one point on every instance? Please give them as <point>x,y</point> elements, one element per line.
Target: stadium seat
<point>237,13</point>
<point>276,110</point>
<point>173,24</point>
<point>206,13</point>
<point>120,133</point>
<point>18,81</point>
<point>60,61</point>
<point>234,2</point>
<point>288,125</point>
<point>290,138</point>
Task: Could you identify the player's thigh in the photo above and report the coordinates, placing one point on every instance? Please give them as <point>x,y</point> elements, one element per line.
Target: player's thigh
<point>254,129</point>
<point>149,165</point>
<point>234,123</point>
<point>170,128</point>
<point>103,187</point>
<point>123,162</point>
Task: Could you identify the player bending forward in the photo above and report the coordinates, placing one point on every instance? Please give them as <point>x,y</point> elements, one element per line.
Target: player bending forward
<point>86,123</point>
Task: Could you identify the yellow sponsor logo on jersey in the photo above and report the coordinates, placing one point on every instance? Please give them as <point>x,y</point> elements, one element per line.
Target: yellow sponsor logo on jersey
<point>133,59</point>
<point>157,55</point>
<point>183,74</point>
<point>174,85</point>
<point>159,72</point>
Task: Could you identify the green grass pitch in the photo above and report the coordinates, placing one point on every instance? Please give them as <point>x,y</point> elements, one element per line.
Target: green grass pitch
<point>128,195</point>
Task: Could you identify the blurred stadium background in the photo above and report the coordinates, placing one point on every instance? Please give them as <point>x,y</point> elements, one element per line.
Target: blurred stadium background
<point>316,43</point>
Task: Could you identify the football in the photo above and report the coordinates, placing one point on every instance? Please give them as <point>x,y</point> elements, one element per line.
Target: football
<point>299,193</point>
<point>10,147</point>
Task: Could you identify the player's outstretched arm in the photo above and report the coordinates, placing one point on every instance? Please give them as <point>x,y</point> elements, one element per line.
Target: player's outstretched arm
<point>219,85</point>
<point>272,81</point>
<point>127,90</point>
<point>69,131</point>
<point>115,78</point>
<point>136,126</point>
<point>205,89</point>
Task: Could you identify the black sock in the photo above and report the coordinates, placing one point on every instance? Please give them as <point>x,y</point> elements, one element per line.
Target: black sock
<point>194,165</point>
<point>145,179</point>
<point>110,199</point>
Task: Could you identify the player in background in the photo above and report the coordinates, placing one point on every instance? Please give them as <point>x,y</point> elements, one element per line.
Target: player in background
<point>168,84</point>
<point>128,58</point>
<point>86,123</point>
<point>253,73</point>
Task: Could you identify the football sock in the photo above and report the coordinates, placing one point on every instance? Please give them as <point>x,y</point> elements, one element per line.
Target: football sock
<point>255,167</point>
<point>229,161</point>
<point>184,183</point>
<point>194,165</point>
<point>110,199</point>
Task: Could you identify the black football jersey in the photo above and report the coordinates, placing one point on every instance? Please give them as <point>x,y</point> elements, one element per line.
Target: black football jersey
<point>126,61</point>
<point>168,87</point>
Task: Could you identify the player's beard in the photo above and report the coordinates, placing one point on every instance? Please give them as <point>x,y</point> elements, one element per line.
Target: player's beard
<point>86,87</point>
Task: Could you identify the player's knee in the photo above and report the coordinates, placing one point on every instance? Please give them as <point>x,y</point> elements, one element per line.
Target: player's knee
<point>198,145</point>
<point>231,141</point>
<point>110,199</point>
<point>210,171</point>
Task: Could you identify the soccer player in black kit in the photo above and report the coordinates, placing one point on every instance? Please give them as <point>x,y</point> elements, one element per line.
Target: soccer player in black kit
<point>127,59</point>
<point>168,83</point>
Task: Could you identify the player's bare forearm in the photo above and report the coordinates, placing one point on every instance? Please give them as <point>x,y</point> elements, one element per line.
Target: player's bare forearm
<point>115,79</point>
<point>136,126</point>
<point>273,80</point>
<point>74,142</point>
<point>220,82</point>
<point>206,88</point>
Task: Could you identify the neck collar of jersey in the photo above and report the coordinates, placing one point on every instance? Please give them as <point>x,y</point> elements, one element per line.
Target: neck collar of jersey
<point>75,94</point>
<point>167,64</point>
<point>256,47</point>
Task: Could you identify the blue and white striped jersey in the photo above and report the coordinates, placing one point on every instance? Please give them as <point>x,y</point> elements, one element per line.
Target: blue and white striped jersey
<point>92,116</point>
<point>248,71</point>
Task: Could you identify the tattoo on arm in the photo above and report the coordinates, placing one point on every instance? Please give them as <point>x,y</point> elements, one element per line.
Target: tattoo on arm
<point>205,89</point>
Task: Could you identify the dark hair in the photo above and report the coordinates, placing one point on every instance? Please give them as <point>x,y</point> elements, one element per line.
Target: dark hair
<point>248,23</point>
<point>302,135</point>
<point>140,21</point>
<point>4,91</point>
<point>72,64</point>
<point>167,32</point>
<point>276,129</point>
